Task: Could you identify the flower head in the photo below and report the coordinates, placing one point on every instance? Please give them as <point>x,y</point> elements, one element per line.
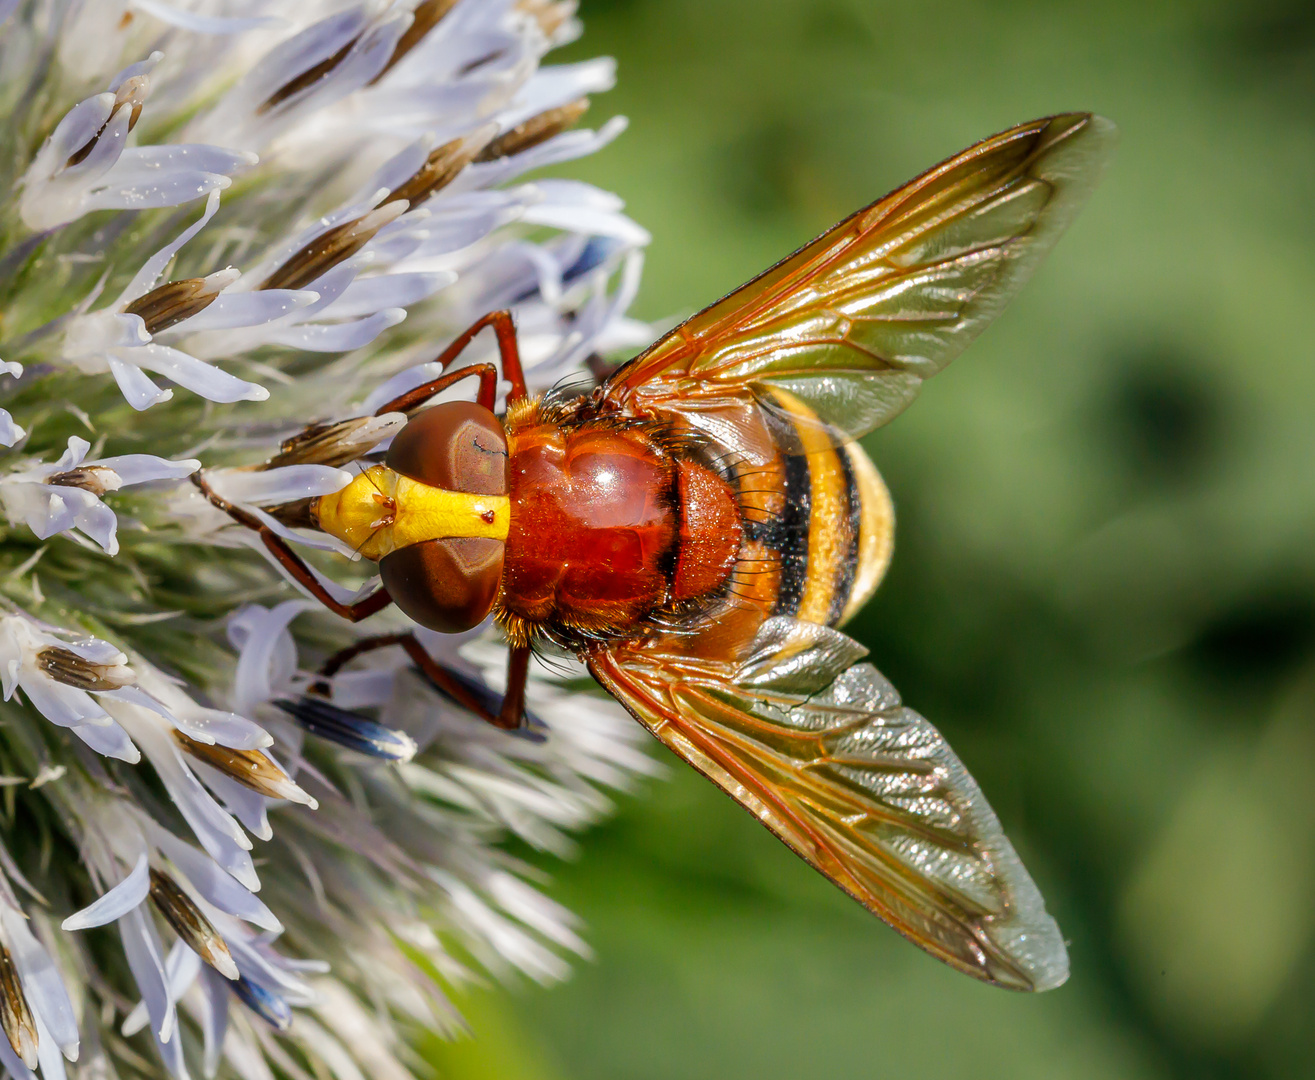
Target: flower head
<point>123,338</point>
<point>263,816</point>
<point>64,496</point>
<point>86,164</point>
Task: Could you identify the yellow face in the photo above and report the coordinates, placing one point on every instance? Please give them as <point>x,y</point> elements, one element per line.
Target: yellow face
<point>381,511</point>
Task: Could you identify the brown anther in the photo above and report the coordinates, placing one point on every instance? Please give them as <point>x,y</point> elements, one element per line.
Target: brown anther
<point>171,303</point>
<point>439,170</point>
<point>190,924</point>
<point>66,666</point>
<point>94,478</point>
<point>15,1014</point>
<point>133,92</point>
<point>328,444</point>
<point>296,515</point>
<point>331,247</point>
<point>424,18</point>
<point>306,79</point>
<point>319,444</point>
<point>250,768</point>
<point>80,155</point>
<point>535,130</point>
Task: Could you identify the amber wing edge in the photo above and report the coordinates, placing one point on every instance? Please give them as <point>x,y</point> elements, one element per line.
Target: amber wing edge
<point>1017,946</point>
<point>1069,151</point>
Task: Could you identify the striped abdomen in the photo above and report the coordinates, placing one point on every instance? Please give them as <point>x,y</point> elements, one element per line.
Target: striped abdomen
<point>820,516</point>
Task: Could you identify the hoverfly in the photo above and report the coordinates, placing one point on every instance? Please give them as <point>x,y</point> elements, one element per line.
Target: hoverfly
<point>698,527</point>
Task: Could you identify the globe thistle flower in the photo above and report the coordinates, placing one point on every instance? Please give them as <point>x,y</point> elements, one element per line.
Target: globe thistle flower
<point>230,230</point>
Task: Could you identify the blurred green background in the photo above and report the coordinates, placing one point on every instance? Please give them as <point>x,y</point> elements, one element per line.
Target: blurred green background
<point>1104,580</point>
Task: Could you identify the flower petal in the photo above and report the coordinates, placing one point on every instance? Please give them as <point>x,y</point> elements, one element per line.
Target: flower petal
<point>115,904</point>
<point>13,1063</point>
<point>97,521</point>
<point>339,337</point>
<point>268,657</point>
<point>143,468</point>
<point>205,24</point>
<point>145,278</point>
<point>77,127</point>
<point>102,157</point>
<point>141,190</point>
<point>230,309</point>
<point>49,1056</point>
<point>249,807</point>
<point>217,886</point>
<point>110,740</point>
<point>41,982</point>
<point>137,389</point>
<point>212,383</point>
<point>285,484</point>
<point>66,706</point>
<point>364,296</point>
<point>214,1018</point>
<point>141,946</point>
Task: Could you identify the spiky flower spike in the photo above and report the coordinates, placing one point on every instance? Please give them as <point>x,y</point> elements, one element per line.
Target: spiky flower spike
<point>220,221</point>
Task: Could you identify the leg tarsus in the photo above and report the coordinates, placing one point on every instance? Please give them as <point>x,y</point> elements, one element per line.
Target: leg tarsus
<point>487,394</point>
<point>292,563</point>
<point>512,713</point>
<point>510,716</point>
<point>508,351</point>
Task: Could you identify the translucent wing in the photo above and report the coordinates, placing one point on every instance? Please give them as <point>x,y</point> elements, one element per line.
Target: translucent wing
<point>852,323</point>
<point>819,748</point>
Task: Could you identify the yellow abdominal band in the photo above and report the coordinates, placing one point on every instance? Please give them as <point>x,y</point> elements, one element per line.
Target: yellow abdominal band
<point>381,511</point>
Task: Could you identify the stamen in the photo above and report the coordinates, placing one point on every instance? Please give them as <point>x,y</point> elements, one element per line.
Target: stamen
<point>439,170</point>
<point>66,666</point>
<point>250,768</point>
<point>295,515</point>
<point>331,247</point>
<point>426,16</point>
<point>350,729</point>
<point>335,444</point>
<point>132,94</point>
<point>264,1003</point>
<point>535,130</point>
<point>171,303</point>
<point>191,925</point>
<point>15,1014</point>
<point>94,478</point>
<point>306,79</point>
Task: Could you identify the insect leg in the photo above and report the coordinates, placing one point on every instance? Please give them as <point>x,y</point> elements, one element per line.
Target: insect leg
<point>292,562</point>
<point>511,367</point>
<point>510,714</point>
<point>413,399</point>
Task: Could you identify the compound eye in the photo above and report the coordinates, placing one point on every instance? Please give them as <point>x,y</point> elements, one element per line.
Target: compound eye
<point>445,585</point>
<point>456,446</point>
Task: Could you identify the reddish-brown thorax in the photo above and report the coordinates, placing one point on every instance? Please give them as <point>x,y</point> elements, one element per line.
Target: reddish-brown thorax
<point>606,528</point>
